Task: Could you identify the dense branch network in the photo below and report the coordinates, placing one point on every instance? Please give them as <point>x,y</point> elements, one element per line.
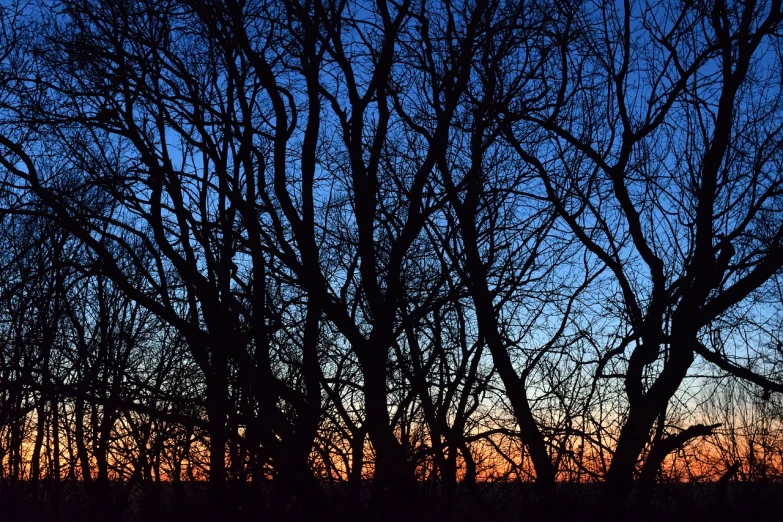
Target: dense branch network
<point>310,250</point>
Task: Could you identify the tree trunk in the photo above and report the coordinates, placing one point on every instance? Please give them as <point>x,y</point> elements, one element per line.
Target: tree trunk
<point>217,390</point>
<point>392,473</point>
<point>35,464</point>
<point>355,475</point>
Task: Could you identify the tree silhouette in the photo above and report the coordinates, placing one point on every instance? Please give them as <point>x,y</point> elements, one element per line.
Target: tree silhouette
<point>351,259</point>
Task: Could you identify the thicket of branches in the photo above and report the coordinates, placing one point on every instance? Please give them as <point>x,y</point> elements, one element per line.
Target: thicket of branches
<point>384,252</point>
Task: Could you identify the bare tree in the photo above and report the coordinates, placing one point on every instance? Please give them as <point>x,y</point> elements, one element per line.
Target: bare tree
<point>661,137</point>
<point>300,247</point>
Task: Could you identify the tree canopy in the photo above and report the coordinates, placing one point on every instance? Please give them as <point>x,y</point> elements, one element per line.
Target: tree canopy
<point>315,249</point>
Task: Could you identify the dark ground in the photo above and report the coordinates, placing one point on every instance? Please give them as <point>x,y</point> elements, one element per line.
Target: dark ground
<point>500,502</point>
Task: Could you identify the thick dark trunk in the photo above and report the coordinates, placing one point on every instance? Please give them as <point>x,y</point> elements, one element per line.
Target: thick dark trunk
<point>619,480</point>
<point>102,500</point>
<point>469,482</point>
<point>297,493</point>
<point>35,464</point>
<point>55,485</point>
<point>355,476</point>
<point>217,390</point>
<point>81,448</point>
<point>635,434</point>
<point>514,384</point>
<point>448,476</point>
<point>664,446</point>
<point>392,474</point>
